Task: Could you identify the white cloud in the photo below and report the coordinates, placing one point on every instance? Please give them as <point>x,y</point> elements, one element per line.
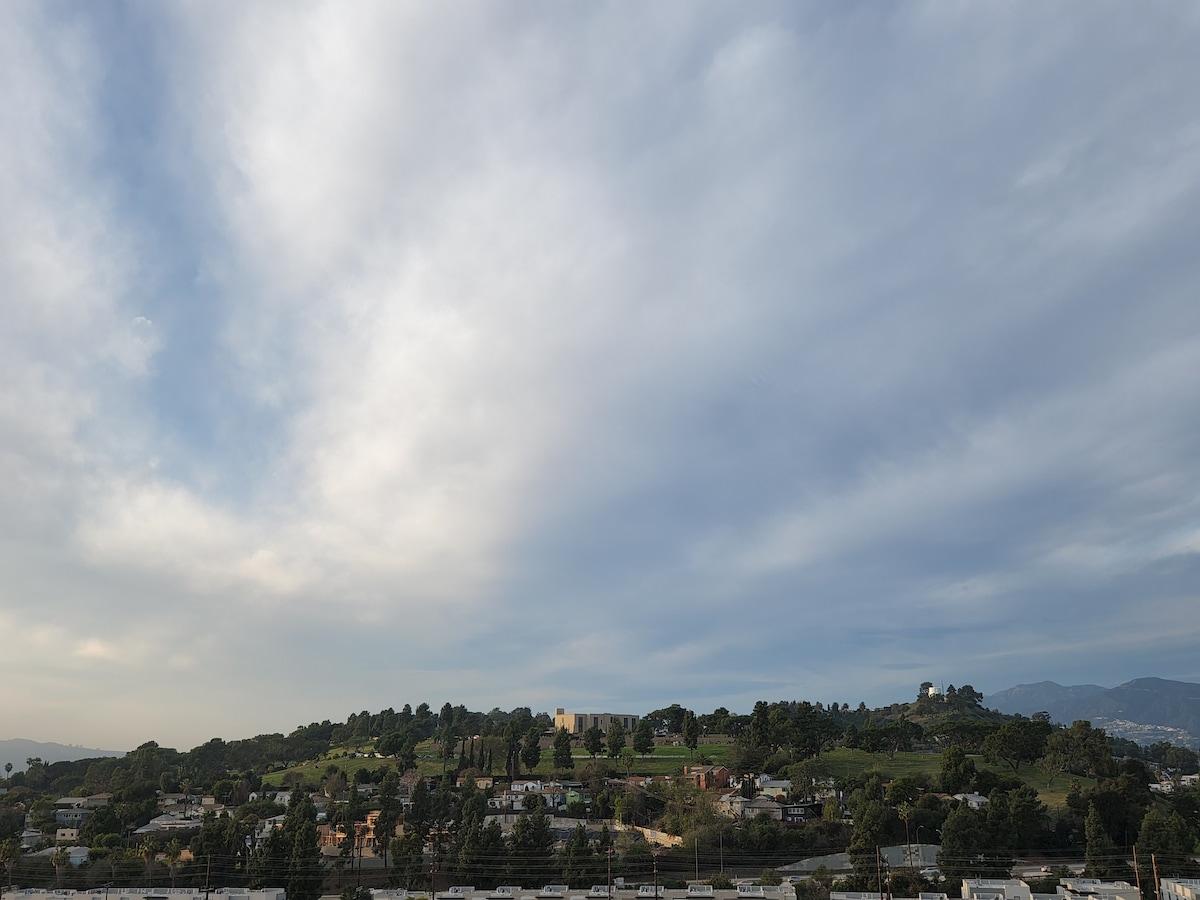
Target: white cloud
<point>580,322</point>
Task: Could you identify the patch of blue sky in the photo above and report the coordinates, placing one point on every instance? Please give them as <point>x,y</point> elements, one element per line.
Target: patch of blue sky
<point>203,427</point>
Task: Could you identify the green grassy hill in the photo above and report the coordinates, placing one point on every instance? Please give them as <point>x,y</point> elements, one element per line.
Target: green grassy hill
<point>669,760</point>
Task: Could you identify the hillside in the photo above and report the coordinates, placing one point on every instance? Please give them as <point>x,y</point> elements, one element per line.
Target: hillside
<point>1144,710</point>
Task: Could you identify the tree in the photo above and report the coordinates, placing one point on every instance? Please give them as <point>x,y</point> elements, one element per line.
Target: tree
<point>173,851</point>
<point>891,738</point>
<point>1017,741</point>
<point>531,848</point>
<point>402,745</point>
<point>593,741</point>
<point>1080,750</point>
<point>562,751</point>
<point>689,730</point>
<point>148,850</point>
<point>531,751</point>
<point>220,844</point>
<point>408,860</point>
<point>1100,859</point>
<point>60,859</point>
<point>627,756</point>
<point>419,818</point>
<point>291,853</point>
<point>805,777</point>
<point>643,738</point>
<point>615,739</point>
<point>1018,818</point>
<point>869,815</point>
<point>512,749</point>
<point>687,809</point>
<point>577,859</point>
<point>478,846</point>
<point>958,772</point>
<point>1165,842</point>
<point>969,847</point>
<point>816,886</point>
<point>10,853</point>
<point>389,812</point>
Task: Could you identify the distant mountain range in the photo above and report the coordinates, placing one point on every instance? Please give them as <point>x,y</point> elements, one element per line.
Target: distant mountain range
<point>17,750</point>
<point>1144,710</point>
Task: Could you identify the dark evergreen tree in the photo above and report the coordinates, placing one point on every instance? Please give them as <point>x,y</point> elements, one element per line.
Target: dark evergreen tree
<point>593,741</point>
<point>562,751</point>
<point>531,751</point>
<point>643,738</point>
<point>689,730</point>
<point>531,849</point>
<point>1100,857</point>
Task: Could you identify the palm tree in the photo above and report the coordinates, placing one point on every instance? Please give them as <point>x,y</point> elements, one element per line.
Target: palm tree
<point>60,859</point>
<point>148,851</point>
<point>173,851</point>
<point>10,852</point>
<point>117,856</point>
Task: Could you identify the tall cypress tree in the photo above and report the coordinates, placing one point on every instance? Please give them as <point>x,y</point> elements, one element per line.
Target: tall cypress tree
<point>1100,857</point>
<point>304,871</point>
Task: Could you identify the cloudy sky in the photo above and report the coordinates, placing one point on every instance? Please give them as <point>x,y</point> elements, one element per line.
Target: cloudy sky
<point>590,355</point>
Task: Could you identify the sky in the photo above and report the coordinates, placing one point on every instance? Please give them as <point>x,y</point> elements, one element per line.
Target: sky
<point>598,356</point>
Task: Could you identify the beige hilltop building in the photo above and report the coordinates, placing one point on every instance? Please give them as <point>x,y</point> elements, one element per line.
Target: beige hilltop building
<point>578,723</point>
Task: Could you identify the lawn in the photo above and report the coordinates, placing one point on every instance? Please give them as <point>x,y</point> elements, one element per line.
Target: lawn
<point>670,760</point>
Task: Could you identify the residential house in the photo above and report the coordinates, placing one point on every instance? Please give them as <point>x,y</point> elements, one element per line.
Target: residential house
<point>707,778</point>
<point>779,788</point>
<point>738,807</point>
<point>72,817</point>
<point>167,822</point>
<point>975,801</point>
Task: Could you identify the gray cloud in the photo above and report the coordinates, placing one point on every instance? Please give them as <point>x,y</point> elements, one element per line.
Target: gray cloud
<point>562,357</point>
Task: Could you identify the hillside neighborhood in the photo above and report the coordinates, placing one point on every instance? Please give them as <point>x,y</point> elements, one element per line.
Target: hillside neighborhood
<point>936,797</point>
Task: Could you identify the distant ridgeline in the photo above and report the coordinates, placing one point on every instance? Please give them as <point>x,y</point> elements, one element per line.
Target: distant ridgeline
<point>1145,710</point>
<point>17,752</point>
